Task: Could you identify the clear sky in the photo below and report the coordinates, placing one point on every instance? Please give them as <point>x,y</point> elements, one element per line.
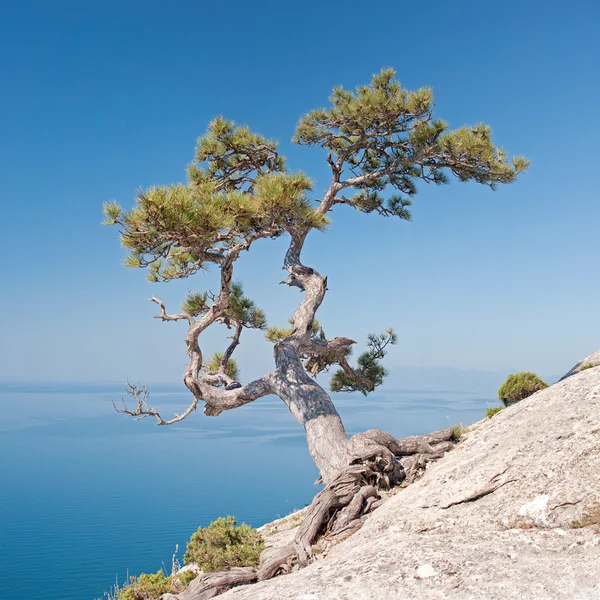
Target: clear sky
<point>99,98</point>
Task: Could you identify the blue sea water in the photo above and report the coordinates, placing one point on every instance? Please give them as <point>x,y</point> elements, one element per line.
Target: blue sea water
<point>88,495</point>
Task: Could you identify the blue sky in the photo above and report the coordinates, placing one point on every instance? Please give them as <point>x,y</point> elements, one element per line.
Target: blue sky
<point>100,98</point>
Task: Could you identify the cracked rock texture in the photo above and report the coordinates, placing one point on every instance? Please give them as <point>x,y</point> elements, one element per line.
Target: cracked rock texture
<point>491,520</point>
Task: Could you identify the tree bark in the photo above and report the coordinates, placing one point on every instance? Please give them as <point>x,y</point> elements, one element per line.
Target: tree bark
<point>312,407</point>
<point>209,585</point>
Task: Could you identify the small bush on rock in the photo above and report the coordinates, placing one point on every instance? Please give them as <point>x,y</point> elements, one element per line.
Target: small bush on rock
<point>587,365</point>
<point>490,412</point>
<point>186,577</point>
<point>223,545</point>
<point>148,586</point>
<point>519,386</point>
<point>151,586</point>
<point>458,431</point>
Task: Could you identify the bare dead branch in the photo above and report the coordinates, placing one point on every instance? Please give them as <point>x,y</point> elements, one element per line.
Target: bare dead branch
<point>142,409</point>
<point>140,394</point>
<point>165,317</point>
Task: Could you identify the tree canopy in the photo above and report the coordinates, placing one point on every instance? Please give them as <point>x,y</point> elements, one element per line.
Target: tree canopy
<point>381,137</point>
<point>381,141</point>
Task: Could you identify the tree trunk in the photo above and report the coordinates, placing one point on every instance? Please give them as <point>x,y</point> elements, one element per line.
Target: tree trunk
<point>312,407</point>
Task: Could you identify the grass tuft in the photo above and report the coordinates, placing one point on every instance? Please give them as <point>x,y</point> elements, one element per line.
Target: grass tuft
<point>458,431</point>
<point>494,410</point>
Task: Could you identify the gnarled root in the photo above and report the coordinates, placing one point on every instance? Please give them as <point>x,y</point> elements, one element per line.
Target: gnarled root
<point>209,585</point>
<point>379,461</point>
<point>339,510</point>
<point>341,503</point>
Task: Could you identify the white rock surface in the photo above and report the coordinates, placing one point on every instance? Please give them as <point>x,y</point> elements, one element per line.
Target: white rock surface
<point>592,359</point>
<point>534,468</point>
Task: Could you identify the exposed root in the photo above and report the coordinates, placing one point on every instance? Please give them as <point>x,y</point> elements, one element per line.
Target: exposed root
<point>276,561</point>
<point>340,508</point>
<point>209,585</point>
<point>340,503</point>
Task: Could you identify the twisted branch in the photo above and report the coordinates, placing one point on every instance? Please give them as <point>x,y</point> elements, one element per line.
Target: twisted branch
<point>165,317</point>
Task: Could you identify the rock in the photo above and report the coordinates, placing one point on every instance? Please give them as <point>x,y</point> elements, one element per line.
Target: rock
<point>536,510</point>
<point>491,520</point>
<point>191,567</point>
<point>592,359</point>
<point>425,571</point>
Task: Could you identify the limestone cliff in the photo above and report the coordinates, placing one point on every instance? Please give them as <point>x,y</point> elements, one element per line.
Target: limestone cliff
<point>509,514</point>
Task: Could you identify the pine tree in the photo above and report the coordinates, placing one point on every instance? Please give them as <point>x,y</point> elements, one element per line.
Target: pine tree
<point>380,141</point>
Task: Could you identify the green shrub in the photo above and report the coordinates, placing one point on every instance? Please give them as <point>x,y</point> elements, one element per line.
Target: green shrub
<point>457,431</point>
<point>520,386</point>
<point>148,586</point>
<point>490,412</point>
<point>151,586</point>
<point>587,365</point>
<point>186,578</point>
<point>223,545</point>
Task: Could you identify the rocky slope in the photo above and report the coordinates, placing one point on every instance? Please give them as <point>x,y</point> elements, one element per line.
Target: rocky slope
<point>509,514</point>
<point>585,363</point>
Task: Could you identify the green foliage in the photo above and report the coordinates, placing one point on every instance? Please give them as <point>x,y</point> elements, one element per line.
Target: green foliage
<point>243,310</point>
<point>388,134</point>
<point>519,386</point>
<point>231,368</point>
<point>587,365</point>
<point>186,577</point>
<point>195,304</point>
<point>238,191</point>
<point>148,586</point>
<point>233,156</point>
<point>458,431</point>
<point>369,373</point>
<point>223,545</point>
<point>494,410</point>
<point>151,586</point>
<point>112,212</point>
<point>277,334</point>
<point>240,309</point>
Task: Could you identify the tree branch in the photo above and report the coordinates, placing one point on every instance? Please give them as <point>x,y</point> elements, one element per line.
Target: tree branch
<point>216,400</point>
<point>165,317</point>
<point>220,376</point>
<point>142,410</point>
<point>334,346</point>
<point>203,389</point>
<point>231,348</point>
<point>362,384</point>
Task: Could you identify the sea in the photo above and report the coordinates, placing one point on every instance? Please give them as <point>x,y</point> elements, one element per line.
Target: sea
<point>89,497</point>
